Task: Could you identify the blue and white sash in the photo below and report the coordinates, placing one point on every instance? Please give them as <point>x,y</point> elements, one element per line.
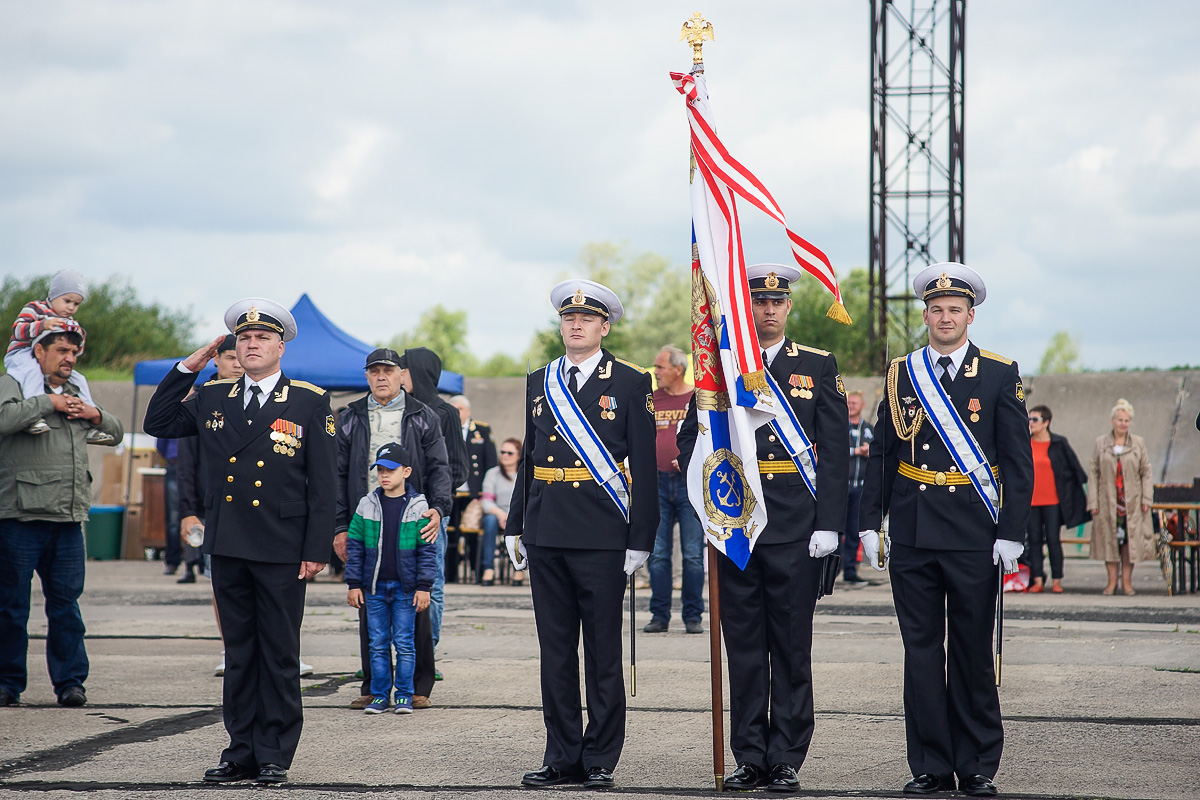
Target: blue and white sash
<point>795,441</point>
<point>957,437</point>
<point>579,433</point>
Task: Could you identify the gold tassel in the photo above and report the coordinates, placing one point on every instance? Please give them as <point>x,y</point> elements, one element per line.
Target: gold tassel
<point>838,313</point>
<point>755,381</point>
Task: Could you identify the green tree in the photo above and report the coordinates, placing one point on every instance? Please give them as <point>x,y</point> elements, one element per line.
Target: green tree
<point>121,329</point>
<point>1062,355</point>
<point>444,332</point>
<point>808,324</point>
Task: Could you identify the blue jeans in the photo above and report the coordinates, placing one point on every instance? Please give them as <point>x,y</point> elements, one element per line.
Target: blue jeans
<point>391,620</point>
<point>437,593</point>
<point>673,505</point>
<point>55,551</point>
<point>487,542</point>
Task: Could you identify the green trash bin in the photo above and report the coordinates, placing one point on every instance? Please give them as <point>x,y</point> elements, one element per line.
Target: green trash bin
<point>102,533</point>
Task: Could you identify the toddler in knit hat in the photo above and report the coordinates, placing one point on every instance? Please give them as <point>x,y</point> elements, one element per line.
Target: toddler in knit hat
<point>36,320</point>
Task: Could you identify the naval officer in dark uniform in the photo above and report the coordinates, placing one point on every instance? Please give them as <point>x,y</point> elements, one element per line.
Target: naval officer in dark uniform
<point>267,448</point>
<point>945,545</point>
<point>577,541</point>
<point>767,609</point>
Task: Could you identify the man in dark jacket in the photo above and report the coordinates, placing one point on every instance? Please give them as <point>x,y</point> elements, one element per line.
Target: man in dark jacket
<point>420,369</point>
<point>389,414</point>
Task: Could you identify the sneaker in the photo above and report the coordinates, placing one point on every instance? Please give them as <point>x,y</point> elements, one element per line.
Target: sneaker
<point>378,705</point>
<point>305,669</point>
<point>97,436</point>
<point>437,675</point>
<point>403,706</point>
<point>38,427</point>
<point>694,626</point>
<point>219,672</point>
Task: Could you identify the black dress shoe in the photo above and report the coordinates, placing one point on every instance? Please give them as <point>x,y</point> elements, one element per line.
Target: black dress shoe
<point>598,778</point>
<point>187,577</point>
<point>271,773</point>
<point>928,783</point>
<point>72,697</point>
<point>548,776</point>
<point>746,777</point>
<point>694,626</point>
<point>229,771</point>
<point>783,779</point>
<point>977,786</point>
<point>655,626</point>
<point>7,698</point>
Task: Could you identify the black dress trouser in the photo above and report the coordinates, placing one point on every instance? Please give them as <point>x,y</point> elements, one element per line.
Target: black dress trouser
<point>573,591</point>
<point>261,606</point>
<point>946,606</point>
<point>766,617</point>
<point>1045,528</point>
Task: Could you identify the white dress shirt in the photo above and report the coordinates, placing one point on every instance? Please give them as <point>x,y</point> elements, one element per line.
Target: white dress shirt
<point>586,368</point>
<point>267,385</point>
<point>956,360</point>
<point>773,351</point>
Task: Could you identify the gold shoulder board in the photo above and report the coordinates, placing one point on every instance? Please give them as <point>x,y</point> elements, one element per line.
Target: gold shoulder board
<point>898,359</point>
<point>482,424</point>
<point>995,357</point>
<point>215,382</point>
<point>631,364</point>
<point>312,387</point>
<point>808,349</point>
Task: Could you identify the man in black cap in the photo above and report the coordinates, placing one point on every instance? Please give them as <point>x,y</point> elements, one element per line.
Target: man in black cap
<point>951,465</point>
<point>767,608</point>
<point>385,415</point>
<point>267,446</point>
<point>583,524</point>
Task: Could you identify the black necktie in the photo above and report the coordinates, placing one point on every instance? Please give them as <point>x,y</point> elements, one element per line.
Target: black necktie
<point>253,405</point>
<point>573,379</point>
<point>765,364</point>
<point>944,362</point>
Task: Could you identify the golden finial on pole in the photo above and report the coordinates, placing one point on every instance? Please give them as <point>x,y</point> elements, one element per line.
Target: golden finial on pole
<point>697,31</point>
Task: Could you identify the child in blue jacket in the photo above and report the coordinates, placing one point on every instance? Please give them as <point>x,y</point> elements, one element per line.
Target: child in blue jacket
<point>390,568</point>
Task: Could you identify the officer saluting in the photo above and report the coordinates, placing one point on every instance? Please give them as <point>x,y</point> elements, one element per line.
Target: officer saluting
<point>583,522</point>
<point>267,446</point>
<point>951,464</point>
<point>767,609</point>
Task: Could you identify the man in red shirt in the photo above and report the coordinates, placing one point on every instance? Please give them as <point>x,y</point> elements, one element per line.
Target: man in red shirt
<point>670,407</point>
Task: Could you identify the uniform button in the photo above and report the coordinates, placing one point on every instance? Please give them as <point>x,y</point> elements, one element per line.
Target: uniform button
<point>228,498</point>
<point>233,459</point>
<point>578,463</point>
<point>954,469</point>
<point>924,466</point>
<point>229,478</point>
<point>549,458</point>
<point>770,456</point>
<point>258,483</point>
<point>553,438</point>
<point>950,489</point>
<point>922,487</point>
<point>771,438</point>
<point>260,463</point>
<point>925,446</point>
<point>254,503</point>
<point>770,476</point>
<point>575,484</point>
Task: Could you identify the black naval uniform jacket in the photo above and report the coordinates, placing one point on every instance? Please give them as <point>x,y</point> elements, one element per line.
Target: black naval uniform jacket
<point>792,513</point>
<point>580,514</point>
<point>929,516</point>
<point>481,455</point>
<point>260,504</point>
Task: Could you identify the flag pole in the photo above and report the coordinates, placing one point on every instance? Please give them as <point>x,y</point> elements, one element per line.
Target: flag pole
<point>695,32</point>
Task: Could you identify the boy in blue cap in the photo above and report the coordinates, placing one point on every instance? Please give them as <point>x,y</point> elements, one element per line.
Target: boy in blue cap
<point>390,568</point>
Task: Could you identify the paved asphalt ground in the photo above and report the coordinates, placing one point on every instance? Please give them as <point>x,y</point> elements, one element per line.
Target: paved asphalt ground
<point>1101,699</point>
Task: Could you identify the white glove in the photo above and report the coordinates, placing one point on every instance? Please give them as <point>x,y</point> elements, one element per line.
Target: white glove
<point>514,544</point>
<point>822,543</point>
<point>634,559</point>
<point>1007,552</point>
<point>870,545</point>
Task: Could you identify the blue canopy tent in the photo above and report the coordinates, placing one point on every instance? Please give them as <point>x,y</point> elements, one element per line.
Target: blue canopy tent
<point>322,353</point>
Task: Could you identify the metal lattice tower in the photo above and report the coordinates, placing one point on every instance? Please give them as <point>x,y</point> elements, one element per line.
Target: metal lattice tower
<point>917,100</point>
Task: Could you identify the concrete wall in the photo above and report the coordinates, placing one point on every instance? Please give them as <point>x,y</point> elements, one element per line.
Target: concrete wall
<point>1165,405</point>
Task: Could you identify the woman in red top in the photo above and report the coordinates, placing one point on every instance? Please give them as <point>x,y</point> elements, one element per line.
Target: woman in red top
<point>1058,498</point>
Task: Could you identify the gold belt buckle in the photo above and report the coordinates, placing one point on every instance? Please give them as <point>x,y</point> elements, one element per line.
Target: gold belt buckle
<point>559,474</point>
<point>939,478</point>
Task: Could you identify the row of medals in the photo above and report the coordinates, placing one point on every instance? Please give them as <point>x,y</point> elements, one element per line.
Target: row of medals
<point>807,394</point>
<point>285,443</point>
<point>608,415</point>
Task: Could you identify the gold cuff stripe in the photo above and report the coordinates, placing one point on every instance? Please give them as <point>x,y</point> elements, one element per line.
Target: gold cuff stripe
<point>777,467</point>
<point>937,478</point>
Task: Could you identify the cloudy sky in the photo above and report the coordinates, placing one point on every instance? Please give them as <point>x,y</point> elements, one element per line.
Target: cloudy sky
<point>386,155</point>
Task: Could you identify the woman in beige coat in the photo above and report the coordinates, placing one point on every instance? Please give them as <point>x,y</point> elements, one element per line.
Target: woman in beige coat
<point>1119,493</point>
